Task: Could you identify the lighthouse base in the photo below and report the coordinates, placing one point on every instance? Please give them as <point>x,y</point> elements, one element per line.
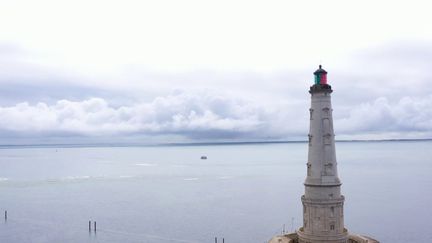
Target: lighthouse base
<point>325,237</point>
<point>294,238</point>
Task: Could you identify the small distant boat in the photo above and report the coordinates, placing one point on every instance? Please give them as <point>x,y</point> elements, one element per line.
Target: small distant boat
<point>203,157</point>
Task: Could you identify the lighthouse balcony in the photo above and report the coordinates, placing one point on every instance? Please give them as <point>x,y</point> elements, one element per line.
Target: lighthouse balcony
<point>323,181</point>
<point>324,201</point>
<point>317,88</point>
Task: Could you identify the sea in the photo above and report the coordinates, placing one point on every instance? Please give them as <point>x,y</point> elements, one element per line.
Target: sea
<point>239,193</point>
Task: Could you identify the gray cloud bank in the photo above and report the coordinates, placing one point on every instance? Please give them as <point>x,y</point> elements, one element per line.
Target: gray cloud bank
<point>408,117</point>
<point>210,116</point>
<point>204,115</point>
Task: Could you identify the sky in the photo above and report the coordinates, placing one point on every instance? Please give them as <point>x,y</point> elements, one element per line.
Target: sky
<point>209,71</point>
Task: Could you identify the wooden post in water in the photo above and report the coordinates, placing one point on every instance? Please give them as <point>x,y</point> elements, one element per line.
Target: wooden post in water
<point>223,240</point>
<point>89,226</point>
<point>95,226</point>
<point>5,215</point>
<point>215,239</point>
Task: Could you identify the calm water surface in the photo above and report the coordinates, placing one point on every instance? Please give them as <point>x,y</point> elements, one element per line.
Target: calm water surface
<point>243,193</point>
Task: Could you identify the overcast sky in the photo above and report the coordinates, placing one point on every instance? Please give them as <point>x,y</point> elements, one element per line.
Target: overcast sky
<point>174,71</point>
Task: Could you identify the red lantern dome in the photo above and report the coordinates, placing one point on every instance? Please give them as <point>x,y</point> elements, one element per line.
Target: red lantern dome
<point>320,76</point>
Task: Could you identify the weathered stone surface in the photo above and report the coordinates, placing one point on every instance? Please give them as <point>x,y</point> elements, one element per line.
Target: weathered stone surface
<point>323,214</point>
<point>322,201</point>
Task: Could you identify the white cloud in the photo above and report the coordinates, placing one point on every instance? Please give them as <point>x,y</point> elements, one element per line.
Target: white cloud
<point>402,118</point>
<point>211,116</point>
<point>188,114</point>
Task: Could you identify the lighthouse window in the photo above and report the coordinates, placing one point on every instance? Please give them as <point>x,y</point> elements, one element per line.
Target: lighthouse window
<point>332,212</point>
<point>328,168</point>
<point>326,111</point>
<point>311,111</point>
<point>327,138</point>
<point>332,227</point>
<point>309,169</point>
<point>326,125</point>
<point>310,140</point>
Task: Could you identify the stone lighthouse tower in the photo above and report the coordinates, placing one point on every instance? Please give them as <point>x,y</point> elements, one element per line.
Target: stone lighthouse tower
<point>322,202</point>
<point>323,214</point>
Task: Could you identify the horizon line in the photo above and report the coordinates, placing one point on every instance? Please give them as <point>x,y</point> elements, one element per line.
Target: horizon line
<point>99,145</point>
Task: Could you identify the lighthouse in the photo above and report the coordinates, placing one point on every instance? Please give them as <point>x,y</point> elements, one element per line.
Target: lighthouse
<point>323,203</point>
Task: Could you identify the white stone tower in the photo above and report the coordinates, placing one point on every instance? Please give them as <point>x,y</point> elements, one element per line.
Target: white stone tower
<point>322,202</point>
<point>323,216</point>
